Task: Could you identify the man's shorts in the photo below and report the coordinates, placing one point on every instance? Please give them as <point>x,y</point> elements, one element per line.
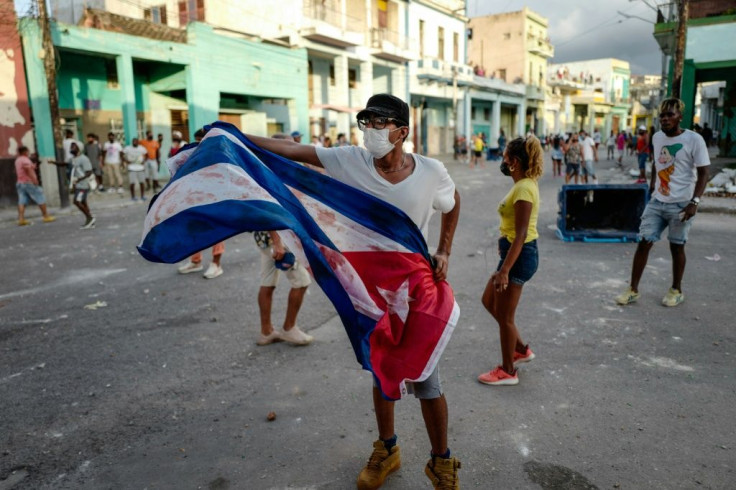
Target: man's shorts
<point>526,264</point>
<point>643,157</point>
<point>136,176</point>
<point>151,169</point>
<point>80,195</point>
<point>429,389</point>
<point>297,274</point>
<point>477,153</point>
<point>620,152</point>
<point>28,191</point>
<point>659,215</point>
<point>572,168</point>
<point>589,168</point>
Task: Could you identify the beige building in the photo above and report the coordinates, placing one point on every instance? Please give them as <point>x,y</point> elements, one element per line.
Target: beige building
<point>514,47</point>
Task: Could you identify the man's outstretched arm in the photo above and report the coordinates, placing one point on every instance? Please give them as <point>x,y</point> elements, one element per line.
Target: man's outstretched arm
<point>288,149</point>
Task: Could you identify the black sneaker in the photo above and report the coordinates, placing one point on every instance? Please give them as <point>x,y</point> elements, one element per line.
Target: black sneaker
<point>90,223</point>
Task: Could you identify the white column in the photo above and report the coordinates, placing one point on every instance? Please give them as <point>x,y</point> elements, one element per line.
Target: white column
<point>568,117</point>
<point>366,82</point>
<point>495,123</point>
<point>342,96</point>
<point>521,121</point>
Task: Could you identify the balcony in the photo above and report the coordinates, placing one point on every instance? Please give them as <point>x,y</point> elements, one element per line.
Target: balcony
<point>540,46</point>
<point>390,45</point>
<point>443,72</point>
<point>534,92</point>
<point>326,25</point>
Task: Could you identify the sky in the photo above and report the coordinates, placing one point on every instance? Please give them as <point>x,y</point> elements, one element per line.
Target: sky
<point>588,29</point>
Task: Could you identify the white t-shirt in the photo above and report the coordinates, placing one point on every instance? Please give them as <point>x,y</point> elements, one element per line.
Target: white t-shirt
<point>112,151</point>
<point>428,189</point>
<point>134,156</point>
<point>588,145</point>
<point>66,144</point>
<point>597,137</point>
<point>676,161</point>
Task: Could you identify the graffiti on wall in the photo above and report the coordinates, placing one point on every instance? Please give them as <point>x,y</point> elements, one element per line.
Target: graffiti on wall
<point>15,114</point>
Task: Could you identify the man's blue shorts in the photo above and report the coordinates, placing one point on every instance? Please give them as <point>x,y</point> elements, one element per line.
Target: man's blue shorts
<point>28,191</point>
<point>659,215</point>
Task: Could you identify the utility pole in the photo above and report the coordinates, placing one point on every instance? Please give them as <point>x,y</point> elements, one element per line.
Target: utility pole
<point>682,16</point>
<point>49,67</point>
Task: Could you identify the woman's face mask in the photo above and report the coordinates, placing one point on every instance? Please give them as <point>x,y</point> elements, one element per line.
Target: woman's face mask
<point>377,143</point>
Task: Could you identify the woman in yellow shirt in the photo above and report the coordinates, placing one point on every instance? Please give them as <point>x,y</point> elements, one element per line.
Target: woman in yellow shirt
<point>517,247</point>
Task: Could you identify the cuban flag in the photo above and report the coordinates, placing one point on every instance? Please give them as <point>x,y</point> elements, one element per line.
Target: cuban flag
<point>368,257</point>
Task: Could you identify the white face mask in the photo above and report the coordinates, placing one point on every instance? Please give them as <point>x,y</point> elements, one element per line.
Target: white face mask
<point>377,143</point>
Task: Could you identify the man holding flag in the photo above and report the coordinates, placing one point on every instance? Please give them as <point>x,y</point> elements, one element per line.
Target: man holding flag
<point>418,186</point>
<point>361,230</point>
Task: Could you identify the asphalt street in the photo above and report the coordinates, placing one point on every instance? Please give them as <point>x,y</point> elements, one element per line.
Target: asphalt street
<point>116,373</point>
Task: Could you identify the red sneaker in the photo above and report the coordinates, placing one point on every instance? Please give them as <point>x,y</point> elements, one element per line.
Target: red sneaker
<point>527,356</point>
<point>498,377</point>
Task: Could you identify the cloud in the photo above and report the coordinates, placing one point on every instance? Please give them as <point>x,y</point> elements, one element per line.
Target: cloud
<point>590,30</point>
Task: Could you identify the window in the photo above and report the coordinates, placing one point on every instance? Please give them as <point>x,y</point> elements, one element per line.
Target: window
<point>191,10</point>
<point>502,74</point>
<point>506,35</point>
<point>486,113</point>
<point>382,14</point>
<point>111,70</point>
<point>531,73</point>
<point>332,75</point>
<point>441,43</point>
<point>421,39</point>
<point>157,14</point>
<point>455,47</point>
<point>352,78</point>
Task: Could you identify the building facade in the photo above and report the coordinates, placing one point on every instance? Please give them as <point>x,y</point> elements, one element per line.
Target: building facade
<point>514,47</point>
<point>591,94</point>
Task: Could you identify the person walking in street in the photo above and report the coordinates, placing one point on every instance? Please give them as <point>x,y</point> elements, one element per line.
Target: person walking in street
<point>610,146</point>
<point>620,148</point>
<point>642,154</point>
<point>573,157</point>
<point>557,156</point>
<point>133,155</point>
<point>590,155</point>
<point>94,152</point>
<point>276,258</point>
<point>113,151</point>
<point>418,186</point>
<point>81,171</point>
<point>517,247</point>
<point>28,187</point>
<point>679,177</point>
<point>477,150</point>
<point>153,159</point>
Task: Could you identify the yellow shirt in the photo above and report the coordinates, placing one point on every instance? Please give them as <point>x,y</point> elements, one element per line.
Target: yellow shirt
<point>523,190</point>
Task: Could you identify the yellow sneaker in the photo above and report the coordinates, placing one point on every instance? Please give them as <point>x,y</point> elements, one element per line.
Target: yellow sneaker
<point>443,473</point>
<point>49,219</point>
<point>23,222</point>
<point>673,297</point>
<point>381,464</point>
<point>627,297</point>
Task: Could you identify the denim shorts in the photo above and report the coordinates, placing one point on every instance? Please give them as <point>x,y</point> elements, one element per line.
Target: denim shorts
<point>659,215</point>
<point>572,168</point>
<point>525,265</point>
<point>643,157</point>
<point>589,168</point>
<point>28,191</point>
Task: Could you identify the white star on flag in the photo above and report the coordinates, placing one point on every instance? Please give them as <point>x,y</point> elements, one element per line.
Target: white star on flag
<point>397,301</point>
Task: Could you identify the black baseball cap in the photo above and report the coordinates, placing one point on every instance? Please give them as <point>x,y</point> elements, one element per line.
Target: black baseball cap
<point>388,106</point>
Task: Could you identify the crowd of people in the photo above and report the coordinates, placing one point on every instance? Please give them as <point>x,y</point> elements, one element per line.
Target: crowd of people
<point>382,168</point>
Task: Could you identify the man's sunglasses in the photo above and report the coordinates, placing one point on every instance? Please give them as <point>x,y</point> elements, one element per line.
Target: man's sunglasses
<point>378,122</point>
